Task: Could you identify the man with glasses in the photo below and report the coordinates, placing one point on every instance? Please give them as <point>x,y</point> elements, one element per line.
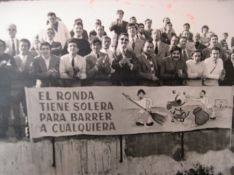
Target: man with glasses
<point>125,64</point>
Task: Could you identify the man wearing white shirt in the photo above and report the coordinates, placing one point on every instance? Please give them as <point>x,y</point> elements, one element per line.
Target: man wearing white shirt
<point>213,68</point>
<point>46,66</point>
<point>72,66</point>
<point>12,44</point>
<point>135,44</point>
<point>195,69</point>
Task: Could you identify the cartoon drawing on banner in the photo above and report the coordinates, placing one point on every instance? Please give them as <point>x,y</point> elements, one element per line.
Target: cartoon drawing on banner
<point>184,109</point>
<point>145,116</point>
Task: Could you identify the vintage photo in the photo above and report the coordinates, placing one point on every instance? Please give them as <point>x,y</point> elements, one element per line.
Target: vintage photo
<point>146,86</point>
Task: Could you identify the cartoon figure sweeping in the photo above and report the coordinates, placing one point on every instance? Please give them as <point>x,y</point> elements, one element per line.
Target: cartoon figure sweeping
<point>145,115</point>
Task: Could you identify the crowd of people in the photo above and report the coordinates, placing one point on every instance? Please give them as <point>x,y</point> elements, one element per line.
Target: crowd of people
<point>137,54</point>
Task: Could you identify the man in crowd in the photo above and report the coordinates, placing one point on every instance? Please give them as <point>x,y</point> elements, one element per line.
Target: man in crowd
<point>173,70</point>
<point>135,44</point>
<point>185,53</point>
<point>84,33</point>
<point>214,70</point>
<point>118,26</point>
<point>72,66</point>
<point>12,43</point>
<point>98,65</point>
<point>7,72</point>
<point>46,67</point>
<point>148,29</point>
<point>125,64</point>
<point>195,69</point>
<point>23,78</point>
<point>56,47</point>
<point>148,66</point>
<point>61,32</point>
<point>197,42</point>
<point>160,49</point>
<point>205,39</point>
<point>82,44</point>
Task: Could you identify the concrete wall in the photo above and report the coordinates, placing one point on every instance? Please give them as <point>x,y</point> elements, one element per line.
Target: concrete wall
<point>145,154</point>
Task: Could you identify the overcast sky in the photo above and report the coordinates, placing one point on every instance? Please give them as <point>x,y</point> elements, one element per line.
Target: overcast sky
<point>30,16</point>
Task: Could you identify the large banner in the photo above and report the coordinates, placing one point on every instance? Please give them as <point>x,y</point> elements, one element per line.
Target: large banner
<point>126,110</point>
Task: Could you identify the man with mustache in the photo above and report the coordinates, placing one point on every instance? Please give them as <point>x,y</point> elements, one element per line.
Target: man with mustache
<point>173,70</point>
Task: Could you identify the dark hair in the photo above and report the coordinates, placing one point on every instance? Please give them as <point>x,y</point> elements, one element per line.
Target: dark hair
<point>133,17</point>
<point>78,20</point>
<point>78,23</point>
<point>225,33</point>
<point>205,27</point>
<point>132,25</point>
<point>141,24</point>
<point>150,40</point>
<point>148,20</point>
<point>168,23</point>
<point>214,35</point>
<point>120,11</point>
<point>51,14</point>
<point>196,51</point>
<point>96,40</point>
<point>203,91</point>
<point>26,41</point>
<point>45,44</point>
<point>93,32</point>
<point>166,18</point>
<point>123,34</point>
<point>215,48</point>
<point>106,37</point>
<point>140,91</point>
<point>3,42</point>
<point>174,48</point>
<point>187,24</point>
<point>72,40</point>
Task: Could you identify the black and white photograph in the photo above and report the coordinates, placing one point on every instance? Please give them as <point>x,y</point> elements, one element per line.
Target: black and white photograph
<point>116,87</point>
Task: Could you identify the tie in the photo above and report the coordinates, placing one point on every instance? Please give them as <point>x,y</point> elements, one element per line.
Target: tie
<point>73,66</point>
<point>133,44</point>
<point>184,55</point>
<point>98,55</point>
<point>151,64</point>
<point>13,48</point>
<point>156,49</point>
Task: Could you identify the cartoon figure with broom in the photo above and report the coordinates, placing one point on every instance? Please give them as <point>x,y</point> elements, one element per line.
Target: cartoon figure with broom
<point>145,115</point>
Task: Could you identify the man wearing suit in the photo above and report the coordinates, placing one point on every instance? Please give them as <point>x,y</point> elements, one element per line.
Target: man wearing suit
<point>7,72</point>
<point>160,49</point>
<point>173,70</point>
<point>22,79</point>
<point>56,47</point>
<point>98,65</point>
<point>214,42</point>
<point>135,44</point>
<point>125,64</point>
<point>148,67</point>
<point>13,43</point>
<point>118,26</point>
<point>185,53</point>
<point>46,67</point>
<point>72,66</point>
<point>82,44</point>
<point>197,42</point>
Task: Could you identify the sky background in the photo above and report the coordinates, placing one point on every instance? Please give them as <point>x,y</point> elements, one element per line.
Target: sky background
<point>30,16</point>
